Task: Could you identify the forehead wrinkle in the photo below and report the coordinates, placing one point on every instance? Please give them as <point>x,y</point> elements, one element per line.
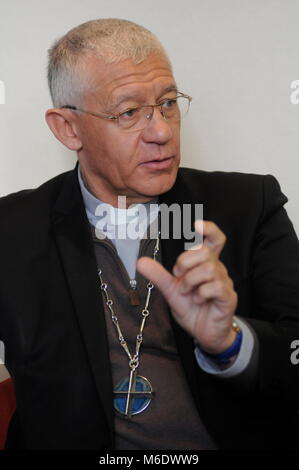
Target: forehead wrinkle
<point>116,98</point>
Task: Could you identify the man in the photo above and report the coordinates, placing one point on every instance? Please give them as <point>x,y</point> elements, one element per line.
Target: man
<point>101,358</point>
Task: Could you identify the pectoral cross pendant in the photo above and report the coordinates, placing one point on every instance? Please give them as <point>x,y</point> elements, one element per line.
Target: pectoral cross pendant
<point>132,395</point>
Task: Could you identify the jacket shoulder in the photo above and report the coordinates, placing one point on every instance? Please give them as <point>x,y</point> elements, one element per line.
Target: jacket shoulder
<point>231,187</point>
<point>193,177</point>
<point>48,188</point>
<point>26,205</point>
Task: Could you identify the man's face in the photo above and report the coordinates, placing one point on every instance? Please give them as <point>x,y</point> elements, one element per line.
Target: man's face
<point>138,164</point>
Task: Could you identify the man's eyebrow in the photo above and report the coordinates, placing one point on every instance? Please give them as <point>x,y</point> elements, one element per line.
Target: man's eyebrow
<point>170,88</point>
<point>130,96</point>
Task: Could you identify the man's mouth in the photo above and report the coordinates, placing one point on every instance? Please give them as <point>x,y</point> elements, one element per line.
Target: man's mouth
<point>158,164</point>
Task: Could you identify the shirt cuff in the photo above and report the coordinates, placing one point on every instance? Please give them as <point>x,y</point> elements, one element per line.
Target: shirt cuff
<point>241,362</point>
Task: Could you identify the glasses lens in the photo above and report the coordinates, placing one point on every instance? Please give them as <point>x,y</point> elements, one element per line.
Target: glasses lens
<point>183,104</point>
<point>131,118</point>
<point>138,118</point>
<point>135,119</point>
<point>175,109</point>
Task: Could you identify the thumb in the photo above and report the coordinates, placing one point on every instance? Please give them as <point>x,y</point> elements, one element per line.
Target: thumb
<point>157,274</point>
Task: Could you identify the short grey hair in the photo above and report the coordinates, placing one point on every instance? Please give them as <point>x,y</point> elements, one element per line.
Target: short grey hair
<point>113,40</point>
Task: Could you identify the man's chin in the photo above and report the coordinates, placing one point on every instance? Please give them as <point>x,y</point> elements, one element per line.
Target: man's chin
<point>159,184</point>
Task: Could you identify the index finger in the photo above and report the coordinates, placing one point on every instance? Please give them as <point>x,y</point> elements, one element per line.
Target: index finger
<point>213,237</point>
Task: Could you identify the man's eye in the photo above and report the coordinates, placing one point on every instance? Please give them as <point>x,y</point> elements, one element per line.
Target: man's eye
<point>130,113</point>
<point>169,103</point>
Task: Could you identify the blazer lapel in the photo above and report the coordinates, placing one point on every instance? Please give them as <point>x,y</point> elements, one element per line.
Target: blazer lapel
<point>72,233</point>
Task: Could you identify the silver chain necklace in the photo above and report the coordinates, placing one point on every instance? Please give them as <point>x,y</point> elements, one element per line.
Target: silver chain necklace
<point>133,394</point>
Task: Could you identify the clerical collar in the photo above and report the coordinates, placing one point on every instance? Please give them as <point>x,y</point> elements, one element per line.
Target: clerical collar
<point>116,216</point>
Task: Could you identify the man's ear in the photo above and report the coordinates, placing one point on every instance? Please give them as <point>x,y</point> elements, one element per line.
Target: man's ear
<point>63,127</point>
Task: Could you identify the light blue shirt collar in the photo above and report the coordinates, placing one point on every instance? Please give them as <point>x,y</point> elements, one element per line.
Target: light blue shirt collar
<point>91,204</point>
<point>127,248</point>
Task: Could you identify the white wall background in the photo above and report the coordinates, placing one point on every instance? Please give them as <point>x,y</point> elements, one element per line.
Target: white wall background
<point>237,58</point>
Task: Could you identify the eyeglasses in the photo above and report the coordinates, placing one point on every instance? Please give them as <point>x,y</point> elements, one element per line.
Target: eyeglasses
<point>137,118</point>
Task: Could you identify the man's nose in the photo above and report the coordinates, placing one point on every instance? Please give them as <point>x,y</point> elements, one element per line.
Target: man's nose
<point>158,129</point>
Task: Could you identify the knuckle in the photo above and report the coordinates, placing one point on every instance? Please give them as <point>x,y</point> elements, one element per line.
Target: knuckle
<point>223,238</point>
<point>219,285</point>
<point>211,268</point>
<point>223,270</point>
<point>211,225</point>
<point>185,282</point>
<point>205,252</point>
<point>181,261</point>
